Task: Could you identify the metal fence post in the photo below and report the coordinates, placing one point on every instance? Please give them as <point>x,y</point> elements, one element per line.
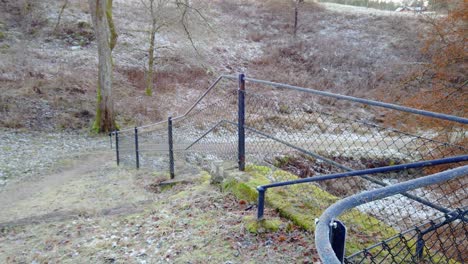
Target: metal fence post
<point>171,148</point>
<point>117,147</point>
<point>241,122</point>
<point>261,202</point>
<point>137,154</point>
<point>338,239</point>
<point>419,245</point>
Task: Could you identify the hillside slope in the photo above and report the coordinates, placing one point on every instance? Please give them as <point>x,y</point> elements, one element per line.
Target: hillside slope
<point>48,75</point>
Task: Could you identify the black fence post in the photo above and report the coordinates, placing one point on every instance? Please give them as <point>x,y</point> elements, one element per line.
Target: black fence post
<point>338,239</point>
<point>171,148</point>
<point>241,122</point>
<point>137,153</point>
<point>419,246</point>
<point>117,147</point>
<point>261,202</point>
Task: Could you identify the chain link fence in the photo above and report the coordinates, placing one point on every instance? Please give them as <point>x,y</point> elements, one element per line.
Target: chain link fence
<point>310,133</point>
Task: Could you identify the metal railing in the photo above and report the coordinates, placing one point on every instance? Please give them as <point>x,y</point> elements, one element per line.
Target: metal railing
<point>368,172</point>
<point>341,152</point>
<point>404,247</point>
<point>255,111</point>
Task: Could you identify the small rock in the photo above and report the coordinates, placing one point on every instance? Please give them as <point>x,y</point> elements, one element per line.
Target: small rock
<point>217,171</point>
<point>308,108</point>
<point>75,47</point>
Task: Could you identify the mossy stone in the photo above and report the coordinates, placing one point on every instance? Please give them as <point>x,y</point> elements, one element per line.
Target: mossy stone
<point>263,226</point>
<point>303,203</point>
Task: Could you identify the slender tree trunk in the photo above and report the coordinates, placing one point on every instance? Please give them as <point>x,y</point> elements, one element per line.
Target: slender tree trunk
<point>100,12</point>
<point>296,14</point>
<point>60,15</point>
<point>150,70</point>
<point>297,4</point>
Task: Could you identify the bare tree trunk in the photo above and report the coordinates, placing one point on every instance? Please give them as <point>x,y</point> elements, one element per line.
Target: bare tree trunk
<point>160,20</point>
<point>106,39</point>
<point>150,71</point>
<point>296,15</point>
<point>60,15</point>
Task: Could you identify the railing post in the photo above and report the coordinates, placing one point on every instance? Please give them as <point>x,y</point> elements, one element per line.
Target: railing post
<point>137,154</point>
<point>171,148</point>
<point>241,122</point>
<point>117,147</point>
<point>261,202</point>
<point>419,246</point>
<point>338,239</point>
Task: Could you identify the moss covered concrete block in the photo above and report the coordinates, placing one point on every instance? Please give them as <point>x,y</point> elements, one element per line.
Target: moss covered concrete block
<point>302,204</point>
<point>262,226</point>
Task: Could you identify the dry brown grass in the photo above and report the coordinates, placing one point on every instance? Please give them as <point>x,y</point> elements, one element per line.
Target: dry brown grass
<point>338,52</point>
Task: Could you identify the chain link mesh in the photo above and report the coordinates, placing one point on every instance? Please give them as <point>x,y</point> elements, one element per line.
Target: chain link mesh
<point>289,131</point>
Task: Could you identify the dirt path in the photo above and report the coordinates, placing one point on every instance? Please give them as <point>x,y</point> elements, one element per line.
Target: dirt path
<point>91,185</point>
<point>188,223</point>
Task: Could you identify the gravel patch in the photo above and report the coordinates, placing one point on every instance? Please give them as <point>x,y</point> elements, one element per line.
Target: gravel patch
<point>25,154</point>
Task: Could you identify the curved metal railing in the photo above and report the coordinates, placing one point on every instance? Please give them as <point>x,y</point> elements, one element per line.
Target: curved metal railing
<point>331,251</point>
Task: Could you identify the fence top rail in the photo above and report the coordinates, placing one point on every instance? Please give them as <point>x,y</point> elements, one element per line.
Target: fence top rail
<point>323,244</point>
<point>363,101</point>
<point>442,116</point>
<point>419,164</point>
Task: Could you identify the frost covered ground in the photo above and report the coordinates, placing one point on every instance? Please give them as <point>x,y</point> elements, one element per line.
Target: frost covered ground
<point>189,223</point>
<point>31,154</point>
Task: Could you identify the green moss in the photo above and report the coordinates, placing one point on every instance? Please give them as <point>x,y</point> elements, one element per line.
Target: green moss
<point>204,178</point>
<point>2,35</point>
<point>284,109</point>
<point>281,161</point>
<point>261,170</point>
<point>247,190</point>
<point>149,91</point>
<point>4,47</point>
<point>160,175</point>
<point>97,122</point>
<point>166,187</point>
<point>110,21</point>
<point>299,203</point>
<point>181,194</point>
<point>303,203</point>
<point>241,190</point>
<point>7,148</point>
<point>202,186</point>
<point>263,226</point>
